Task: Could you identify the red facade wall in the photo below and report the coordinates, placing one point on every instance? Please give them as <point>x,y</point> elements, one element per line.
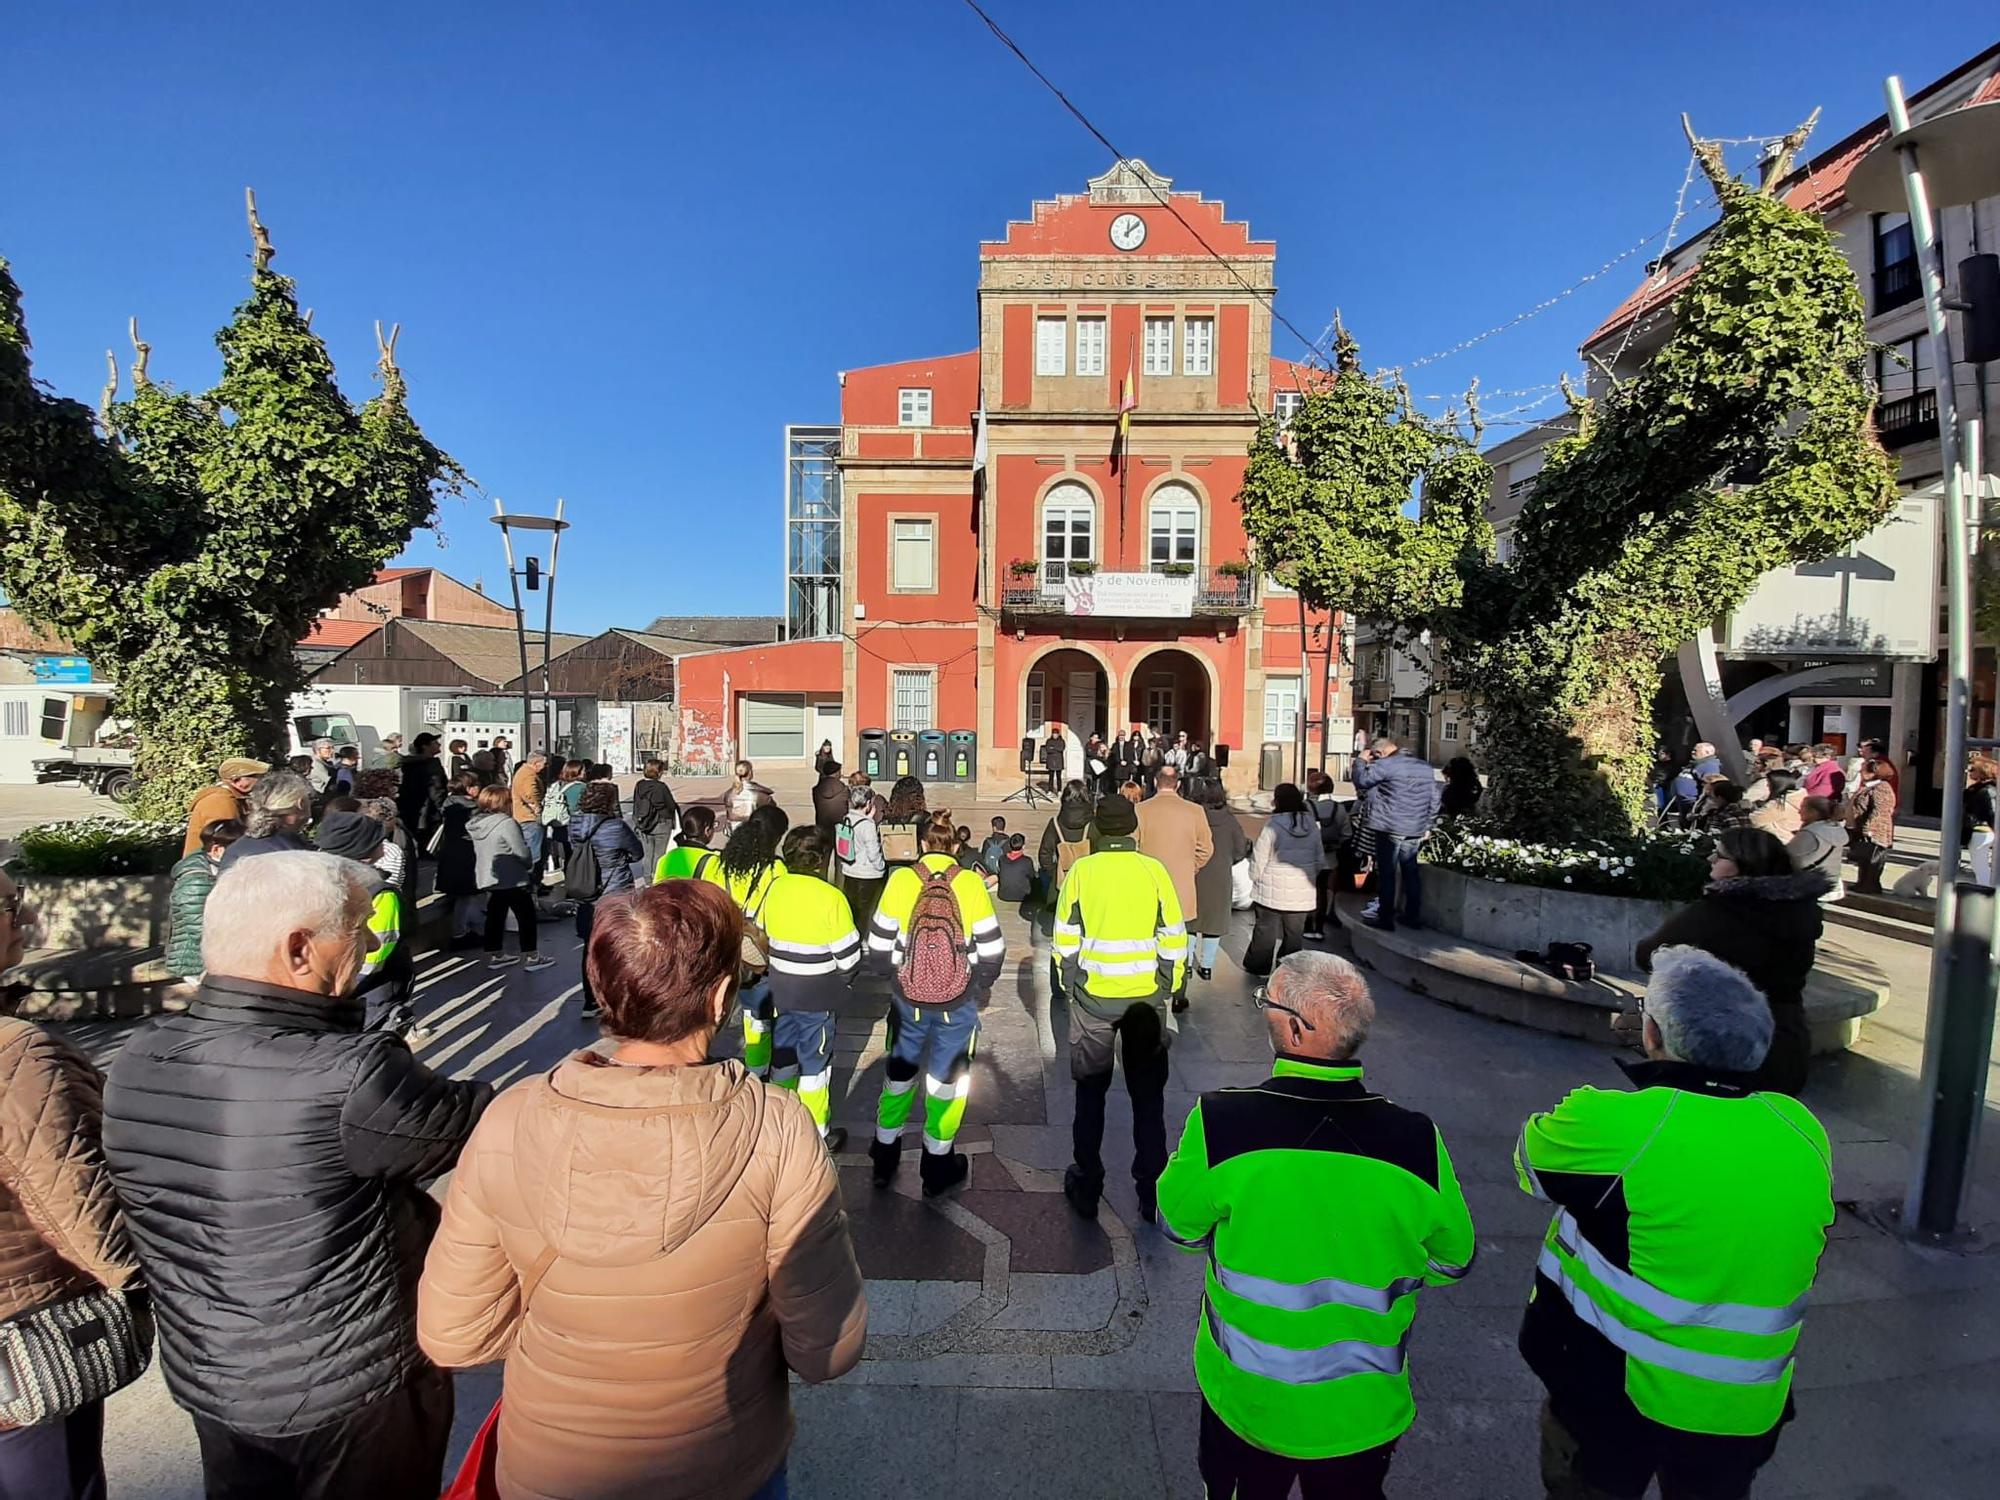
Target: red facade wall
<point>708,716</point>
<point>868,396</point>
<point>1232,366</point>
<point>952,650</point>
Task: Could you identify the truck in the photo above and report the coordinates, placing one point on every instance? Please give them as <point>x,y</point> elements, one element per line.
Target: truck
<point>65,731</point>
<point>364,714</point>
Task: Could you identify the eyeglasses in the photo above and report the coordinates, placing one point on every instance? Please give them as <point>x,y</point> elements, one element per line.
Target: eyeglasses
<point>1261,998</point>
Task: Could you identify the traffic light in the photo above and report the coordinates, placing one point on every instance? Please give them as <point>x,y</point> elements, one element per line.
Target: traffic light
<point>534,574</point>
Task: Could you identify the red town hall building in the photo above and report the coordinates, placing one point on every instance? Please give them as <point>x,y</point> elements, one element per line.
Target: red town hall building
<point>1012,561</point>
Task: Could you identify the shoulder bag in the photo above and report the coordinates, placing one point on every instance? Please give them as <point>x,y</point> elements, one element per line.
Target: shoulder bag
<point>58,1358</point>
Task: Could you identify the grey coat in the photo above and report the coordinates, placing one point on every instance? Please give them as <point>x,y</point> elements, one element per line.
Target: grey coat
<point>499,852</point>
<point>1212,894</point>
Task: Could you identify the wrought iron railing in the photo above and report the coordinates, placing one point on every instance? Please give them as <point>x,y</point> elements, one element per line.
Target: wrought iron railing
<point>1906,420</point>
<point>1039,587</point>
<point>1896,283</point>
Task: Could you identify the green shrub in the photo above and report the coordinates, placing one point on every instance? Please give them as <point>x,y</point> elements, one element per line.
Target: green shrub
<point>1667,865</point>
<point>100,846</point>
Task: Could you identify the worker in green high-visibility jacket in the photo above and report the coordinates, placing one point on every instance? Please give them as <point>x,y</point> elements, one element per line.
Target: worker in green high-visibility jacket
<point>1322,1209</point>
<point>1671,1287</point>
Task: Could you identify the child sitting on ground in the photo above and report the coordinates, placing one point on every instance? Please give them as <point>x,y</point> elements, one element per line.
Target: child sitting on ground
<point>1015,879</point>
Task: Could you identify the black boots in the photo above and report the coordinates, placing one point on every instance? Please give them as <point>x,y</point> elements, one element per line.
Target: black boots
<point>886,1157</point>
<point>1081,1191</point>
<point>943,1171</point>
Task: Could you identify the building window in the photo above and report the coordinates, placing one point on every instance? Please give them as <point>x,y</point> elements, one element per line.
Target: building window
<point>1198,346</point>
<point>1896,279</point>
<point>55,718</point>
<point>1089,346</point>
<point>913,556</point>
<point>913,407</point>
<point>1160,703</point>
<point>1159,347</point>
<point>1451,729</point>
<point>1037,702</point>
<point>1517,489</point>
<point>1069,532</point>
<point>1503,547</point>
<point>1174,524</point>
<point>1281,708</point>
<point>1285,405</point>
<point>1051,346</point>
<point>911,691</point>
<point>1907,409</point>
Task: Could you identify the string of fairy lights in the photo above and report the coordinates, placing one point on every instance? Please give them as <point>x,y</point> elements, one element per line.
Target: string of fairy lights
<point>1317,348</point>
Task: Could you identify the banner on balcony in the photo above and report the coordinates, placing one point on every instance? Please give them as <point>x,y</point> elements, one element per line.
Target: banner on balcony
<point>1156,595</point>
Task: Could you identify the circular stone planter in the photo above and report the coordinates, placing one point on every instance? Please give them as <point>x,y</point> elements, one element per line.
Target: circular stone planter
<point>98,943</point>
<point>1463,955</point>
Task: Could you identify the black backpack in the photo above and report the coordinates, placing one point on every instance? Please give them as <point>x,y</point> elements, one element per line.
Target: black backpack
<point>583,880</point>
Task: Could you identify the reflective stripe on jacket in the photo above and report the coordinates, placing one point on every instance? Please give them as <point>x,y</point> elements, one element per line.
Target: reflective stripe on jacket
<point>813,942</point>
<point>385,920</point>
<point>889,930</point>
<point>1692,1217</point>
<point>1322,1209</point>
<point>1118,929</point>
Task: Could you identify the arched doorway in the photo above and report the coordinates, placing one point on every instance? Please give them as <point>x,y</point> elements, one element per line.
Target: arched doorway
<point>1066,686</point>
<point>1169,695</point>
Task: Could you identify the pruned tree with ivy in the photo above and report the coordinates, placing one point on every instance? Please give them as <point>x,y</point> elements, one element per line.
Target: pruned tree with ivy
<point>1743,446</point>
<point>186,542</point>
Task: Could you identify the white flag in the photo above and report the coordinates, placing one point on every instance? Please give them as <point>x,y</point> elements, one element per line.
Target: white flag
<point>979,439</point>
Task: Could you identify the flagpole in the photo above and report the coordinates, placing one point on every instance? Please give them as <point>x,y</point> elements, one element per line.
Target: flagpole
<point>1127,400</point>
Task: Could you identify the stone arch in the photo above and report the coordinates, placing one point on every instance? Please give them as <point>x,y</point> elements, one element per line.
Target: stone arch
<point>1111,684</point>
<point>1210,731</point>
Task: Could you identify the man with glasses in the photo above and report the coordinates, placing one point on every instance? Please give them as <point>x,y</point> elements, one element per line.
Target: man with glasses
<point>1322,1208</point>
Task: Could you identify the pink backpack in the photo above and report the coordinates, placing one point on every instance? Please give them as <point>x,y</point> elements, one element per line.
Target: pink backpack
<point>935,967</point>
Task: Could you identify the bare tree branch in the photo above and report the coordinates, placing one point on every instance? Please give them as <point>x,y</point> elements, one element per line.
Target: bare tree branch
<point>142,354</point>
<point>261,250</point>
<point>1709,154</point>
<point>110,395</point>
<point>1778,165</point>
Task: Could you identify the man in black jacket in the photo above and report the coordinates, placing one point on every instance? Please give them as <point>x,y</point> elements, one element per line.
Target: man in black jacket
<point>270,1157</point>
<point>655,816</point>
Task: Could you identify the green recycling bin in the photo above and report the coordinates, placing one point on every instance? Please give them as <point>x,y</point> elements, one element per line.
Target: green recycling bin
<point>964,747</point>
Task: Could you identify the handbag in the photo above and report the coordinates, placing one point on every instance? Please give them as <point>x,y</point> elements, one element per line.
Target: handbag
<point>756,950</point>
<point>58,1358</point>
<point>1240,885</point>
<point>478,1474</point>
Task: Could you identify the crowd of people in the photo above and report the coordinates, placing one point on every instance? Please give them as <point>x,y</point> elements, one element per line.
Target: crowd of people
<point>653,1240</point>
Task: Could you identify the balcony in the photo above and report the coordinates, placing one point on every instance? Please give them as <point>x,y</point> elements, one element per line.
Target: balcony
<point>1058,588</point>
<point>1897,282</point>
<point>1907,420</point>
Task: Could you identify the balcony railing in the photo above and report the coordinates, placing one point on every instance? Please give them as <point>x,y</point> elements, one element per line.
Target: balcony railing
<point>1042,588</point>
<point>1896,283</point>
<point>1909,419</point>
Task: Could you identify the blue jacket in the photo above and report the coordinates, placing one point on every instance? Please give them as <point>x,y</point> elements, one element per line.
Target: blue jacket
<point>1402,793</point>
<point>617,847</point>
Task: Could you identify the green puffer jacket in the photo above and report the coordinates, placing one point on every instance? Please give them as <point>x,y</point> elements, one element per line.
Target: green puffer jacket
<point>194,878</point>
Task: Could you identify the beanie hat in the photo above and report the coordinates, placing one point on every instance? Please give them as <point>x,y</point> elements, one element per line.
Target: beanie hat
<point>1116,817</point>
<point>351,835</point>
<point>240,765</point>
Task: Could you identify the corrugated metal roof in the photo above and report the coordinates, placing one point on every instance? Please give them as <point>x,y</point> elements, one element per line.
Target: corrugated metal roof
<point>718,630</point>
<point>490,653</point>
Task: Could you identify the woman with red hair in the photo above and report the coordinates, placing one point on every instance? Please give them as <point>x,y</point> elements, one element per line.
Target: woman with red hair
<point>651,1238</point>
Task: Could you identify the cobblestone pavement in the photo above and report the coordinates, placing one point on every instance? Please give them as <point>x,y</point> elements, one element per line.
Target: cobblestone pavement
<point>1015,1350</point>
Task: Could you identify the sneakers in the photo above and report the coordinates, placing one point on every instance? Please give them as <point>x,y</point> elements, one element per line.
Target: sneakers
<point>1149,1200</point>
<point>418,1034</point>
<point>590,1010</point>
<point>1181,1002</point>
<point>1081,1192</point>
<point>886,1157</point>
<point>1204,975</point>
<point>944,1170</point>
<point>836,1140</point>
<point>537,961</point>
<point>502,960</point>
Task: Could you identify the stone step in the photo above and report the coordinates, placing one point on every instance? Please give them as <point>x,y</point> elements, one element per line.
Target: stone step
<point>1905,919</point>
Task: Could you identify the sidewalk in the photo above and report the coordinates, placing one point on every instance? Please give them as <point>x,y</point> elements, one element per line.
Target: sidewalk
<point>1017,1351</point>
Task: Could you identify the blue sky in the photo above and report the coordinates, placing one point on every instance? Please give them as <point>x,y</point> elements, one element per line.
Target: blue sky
<point>628,242</point>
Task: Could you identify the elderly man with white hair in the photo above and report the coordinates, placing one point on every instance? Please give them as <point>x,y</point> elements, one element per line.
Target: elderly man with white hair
<point>1322,1209</point>
<point>1691,1213</point>
<point>270,1156</point>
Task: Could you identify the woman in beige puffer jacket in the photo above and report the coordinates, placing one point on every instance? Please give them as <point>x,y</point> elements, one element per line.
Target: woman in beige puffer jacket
<point>60,1231</point>
<point>672,1225</point>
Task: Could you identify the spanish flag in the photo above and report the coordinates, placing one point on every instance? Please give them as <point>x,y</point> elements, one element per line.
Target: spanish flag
<point>1128,402</point>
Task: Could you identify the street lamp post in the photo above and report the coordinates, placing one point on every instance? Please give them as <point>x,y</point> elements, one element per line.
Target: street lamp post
<point>1961,150</point>
<point>536,579</point>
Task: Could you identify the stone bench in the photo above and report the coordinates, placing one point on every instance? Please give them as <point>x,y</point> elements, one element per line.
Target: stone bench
<point>1844,989</point>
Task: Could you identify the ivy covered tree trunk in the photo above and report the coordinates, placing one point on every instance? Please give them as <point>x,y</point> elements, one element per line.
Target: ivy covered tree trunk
<point>188,545</point>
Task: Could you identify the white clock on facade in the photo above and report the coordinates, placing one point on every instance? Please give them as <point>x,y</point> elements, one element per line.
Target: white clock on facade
<point>1128,232</point>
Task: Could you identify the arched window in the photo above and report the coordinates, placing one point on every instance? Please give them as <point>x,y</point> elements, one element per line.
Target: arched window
<point>1174,525</point>
<point>1069,531</point>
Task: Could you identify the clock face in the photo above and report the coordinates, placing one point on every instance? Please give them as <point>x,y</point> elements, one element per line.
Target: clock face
<point>1128,232</point>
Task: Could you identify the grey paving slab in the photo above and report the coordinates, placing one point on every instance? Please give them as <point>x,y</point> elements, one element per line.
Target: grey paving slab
<point>869,1440</point>
<point>1090,1445</point>
<point>1046,1303</point>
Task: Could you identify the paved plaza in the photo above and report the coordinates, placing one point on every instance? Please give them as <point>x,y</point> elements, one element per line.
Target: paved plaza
<point>1017,1351</point>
